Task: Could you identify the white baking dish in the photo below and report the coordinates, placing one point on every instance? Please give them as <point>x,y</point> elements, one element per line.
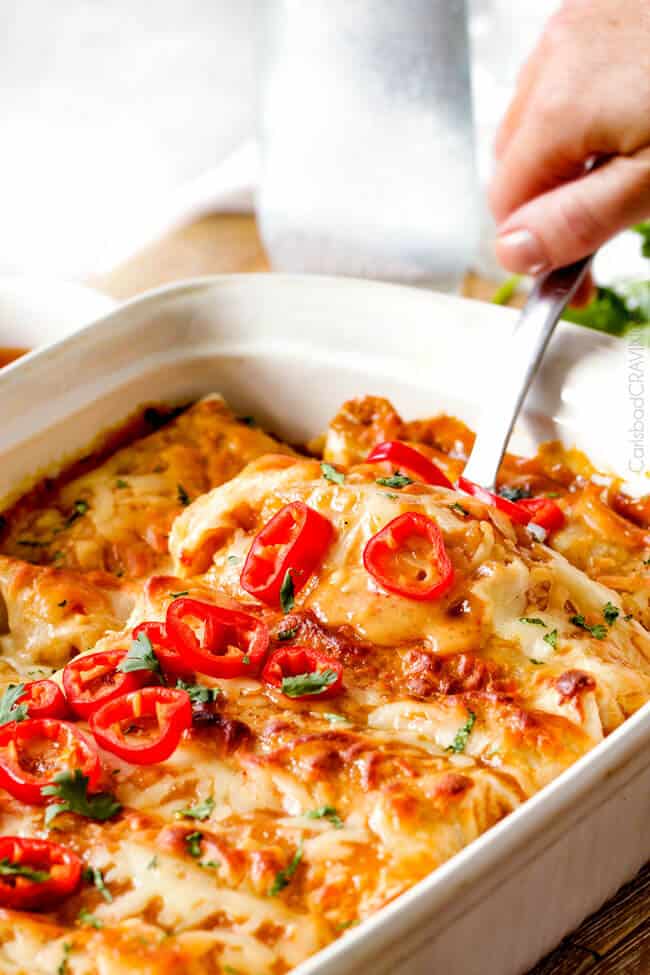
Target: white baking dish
<point>289,350</point>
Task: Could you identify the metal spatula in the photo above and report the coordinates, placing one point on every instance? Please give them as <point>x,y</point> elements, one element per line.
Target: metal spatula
<point>550,294</point>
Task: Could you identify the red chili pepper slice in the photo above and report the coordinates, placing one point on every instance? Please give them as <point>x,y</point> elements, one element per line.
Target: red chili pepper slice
<point>92,679</point>
<point>36,874</point>
<point>44,699</point>
<point>408,557</point>
<point>145,726</point>
<point>294,540</point>
<point>232,643</point>
<point>172,662</point>
<point>303,673</point>
<point>509,508</point>
<point>543,512</point>
<point>32,752</point>
<point>401,455</point>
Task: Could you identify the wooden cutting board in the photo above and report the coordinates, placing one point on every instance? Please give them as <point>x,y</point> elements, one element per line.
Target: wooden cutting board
<point>616,940</point>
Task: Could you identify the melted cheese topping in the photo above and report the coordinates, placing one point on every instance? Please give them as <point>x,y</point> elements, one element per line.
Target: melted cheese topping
<point>321,811</point>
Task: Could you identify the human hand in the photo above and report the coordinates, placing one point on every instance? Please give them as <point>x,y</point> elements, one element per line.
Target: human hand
<point>584,93</point>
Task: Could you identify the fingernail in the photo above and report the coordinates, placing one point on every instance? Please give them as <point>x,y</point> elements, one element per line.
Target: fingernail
<point>522,251</point>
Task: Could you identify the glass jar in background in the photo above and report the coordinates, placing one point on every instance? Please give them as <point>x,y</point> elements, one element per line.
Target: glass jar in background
<point>367,140</point>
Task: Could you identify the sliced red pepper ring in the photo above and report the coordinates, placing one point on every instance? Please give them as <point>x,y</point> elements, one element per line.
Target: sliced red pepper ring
<point>44,699</point>
<point>171,660</point>
<point>303,673</point>
<point>145,726</point>
<point>403,456</point>
<point>36,874</point>
<point>230,643</point>
<point>92,679</point>
<point>408,557</point>
<point>294,540</point>
<point>32,752</point>
<point>543,512</point>
<point>509,508</point>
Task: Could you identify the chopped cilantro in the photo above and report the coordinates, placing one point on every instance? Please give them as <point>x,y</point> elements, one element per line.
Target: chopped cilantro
<point>331,473</point>
<point>63,965</point>
<point>628,616</point>
<point>79,508</point>
<point>72,789</point>
<point>9,709</point>
<point>534,620</point>
<point>505,291</point>
<point>233,559</point>
<point>200,810</point>
<point>9,869</point>
<point>289,632</point>
<point>209,864</point>
<point>598,631</point>
<point>229,970</point>
<point>513,493</point>
<point>182,495</point>
<point>551,638</point>
<point>457,506</point>
<point>93,875</point>
<point>313,683</point>
<point>64,602</point>
<point>141,656</point>
<point>538,663</point>
<point>287,593</point>
<point>177,595</point>
<point>335,718</point>
<point>610,612</point>
<point>199,693</point>
<point>89,920</point>
<point>396,480</point>
<point>246,660</point>
<point>193,843</point>
<point>326,812</point>
<point>283,877</point>
<point>643,228</point>
<point>153,863</point>
<point>462,735</point>
<point>646,562</point>
<point>121,484</point>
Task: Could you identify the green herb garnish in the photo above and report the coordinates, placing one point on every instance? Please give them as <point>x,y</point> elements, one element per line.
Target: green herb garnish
<point>72,789</point>
<point>200,810</point>
<point>287,593</point>
<point>9,709</point>
<point>121,484</point>
<point>396,480</point>
<point>331,473</point>
<point>182,495</point>
<point>93,875</point>
<point>598,631</point>
<point>610,612</point>
<point>288,633</point>
<point>141,656</point>
<point>326,812</point>
<point>513,493</point>
<point>462,735</point>
<point>457,506</point>
<point>89,920</point>
<point>199,693</point>
<point>505,291</point>
<point>313,683</point>
<point>283,877</point>
<point>79,508</point>
<point>538,663</point>
<point>551,638</point>
<point>63,965</point>
<point>193,843</point>
<point>64,602</point>
<point>335,718</point>
<point>9,869</point>
<point>533,620</point>
<point>177,595</point>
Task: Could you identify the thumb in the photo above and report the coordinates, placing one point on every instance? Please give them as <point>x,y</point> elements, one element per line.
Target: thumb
<point>571,221</point>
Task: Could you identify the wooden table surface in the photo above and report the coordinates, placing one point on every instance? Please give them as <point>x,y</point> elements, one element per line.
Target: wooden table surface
<point>615,940</point>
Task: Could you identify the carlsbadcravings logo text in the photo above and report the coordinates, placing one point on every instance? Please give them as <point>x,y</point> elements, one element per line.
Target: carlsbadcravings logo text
<point>636,385</point>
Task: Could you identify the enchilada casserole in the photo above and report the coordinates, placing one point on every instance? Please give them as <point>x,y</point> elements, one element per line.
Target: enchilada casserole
<point>252,693</point>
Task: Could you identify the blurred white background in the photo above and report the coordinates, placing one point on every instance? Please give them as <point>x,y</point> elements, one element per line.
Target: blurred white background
<point>116,116</point>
